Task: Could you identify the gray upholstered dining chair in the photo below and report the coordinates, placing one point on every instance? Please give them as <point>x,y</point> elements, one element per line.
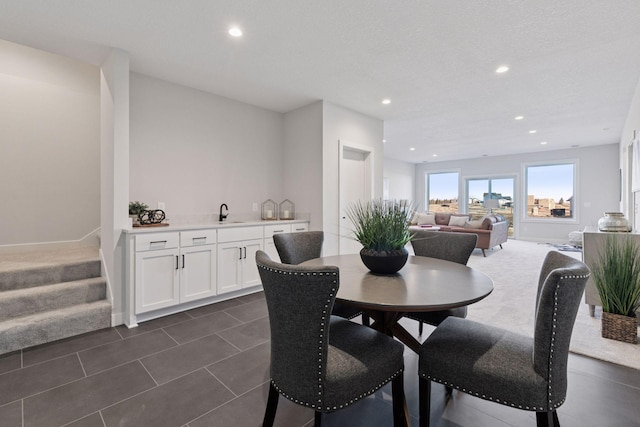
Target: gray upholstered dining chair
<point>523,372</point>
<point>296,248</point>
<point>456,247</point>
<point>318,360</point>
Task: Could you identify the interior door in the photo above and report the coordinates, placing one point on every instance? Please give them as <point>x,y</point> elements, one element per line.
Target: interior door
<point>355,185</point>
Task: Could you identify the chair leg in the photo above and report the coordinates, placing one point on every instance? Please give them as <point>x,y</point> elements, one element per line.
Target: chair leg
<point>272,405</point>
<point>317,422</point>
<point>448,390</point>
<point>424,399</point>
<point>547,419</point>
<point>420,327</point>
<point>365,319</point>
<point>399,403</point>
<point>500,245</point>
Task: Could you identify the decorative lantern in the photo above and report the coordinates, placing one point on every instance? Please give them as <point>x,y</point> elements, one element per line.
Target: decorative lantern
<point>287,210</point>
<point>269,210</point>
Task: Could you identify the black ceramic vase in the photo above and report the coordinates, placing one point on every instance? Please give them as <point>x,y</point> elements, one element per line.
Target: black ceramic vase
<point>384,262</point>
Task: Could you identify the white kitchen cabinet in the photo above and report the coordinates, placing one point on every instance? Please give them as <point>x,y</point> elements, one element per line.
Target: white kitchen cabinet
<point>237,249</point>
<point>271,230</point>
<point>167,274</point>
<point>269,245</point>
<point>198,265</point>
<point>157,271</point>
<point>171,270</point>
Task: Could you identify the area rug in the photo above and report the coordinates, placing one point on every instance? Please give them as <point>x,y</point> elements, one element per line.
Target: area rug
<point>515,271</point>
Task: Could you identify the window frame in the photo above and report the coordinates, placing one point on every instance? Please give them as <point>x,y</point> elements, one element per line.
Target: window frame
<point>427,174</point>
<point>524,217</point>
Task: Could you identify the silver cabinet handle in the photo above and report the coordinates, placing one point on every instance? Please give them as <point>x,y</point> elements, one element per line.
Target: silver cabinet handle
<point>157,241</point>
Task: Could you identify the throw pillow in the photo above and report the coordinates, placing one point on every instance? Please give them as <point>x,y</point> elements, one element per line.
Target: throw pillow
<point>457,221</point>
<point>476,223</point>
<point>414,218</point>
<point>426,219</point>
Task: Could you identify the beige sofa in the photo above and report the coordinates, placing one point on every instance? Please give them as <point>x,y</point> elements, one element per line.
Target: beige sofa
<point>492,229</point>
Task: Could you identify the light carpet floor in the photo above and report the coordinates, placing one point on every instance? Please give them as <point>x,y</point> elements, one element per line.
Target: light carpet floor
<point>515,271</point>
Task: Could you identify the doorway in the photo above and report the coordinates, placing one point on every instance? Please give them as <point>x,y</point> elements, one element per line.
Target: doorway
<point>356,185</point>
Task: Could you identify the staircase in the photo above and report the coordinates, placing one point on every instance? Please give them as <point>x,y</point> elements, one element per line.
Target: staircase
<point>48,297</point>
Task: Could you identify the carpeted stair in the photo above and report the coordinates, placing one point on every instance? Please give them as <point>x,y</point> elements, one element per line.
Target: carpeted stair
<point>47,303</point>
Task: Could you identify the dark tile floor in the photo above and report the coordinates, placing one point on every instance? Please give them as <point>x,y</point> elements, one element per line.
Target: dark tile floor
<point>209,367</point>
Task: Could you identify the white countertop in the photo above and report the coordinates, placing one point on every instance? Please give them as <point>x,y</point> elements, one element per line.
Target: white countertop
<point>210,225</point>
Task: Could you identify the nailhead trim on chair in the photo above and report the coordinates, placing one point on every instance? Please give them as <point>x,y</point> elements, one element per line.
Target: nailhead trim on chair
<point>552,406</point>
<point>318,405</point>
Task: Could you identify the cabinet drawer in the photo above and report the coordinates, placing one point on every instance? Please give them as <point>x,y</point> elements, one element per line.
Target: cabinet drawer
<point>296,228</point>
<point>156,241</point>
<point>198,237</point>
<point>270,230</point>
<point>241,233</point>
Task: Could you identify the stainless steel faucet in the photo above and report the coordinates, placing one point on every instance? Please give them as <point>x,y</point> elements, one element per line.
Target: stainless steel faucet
<point>223,217</point>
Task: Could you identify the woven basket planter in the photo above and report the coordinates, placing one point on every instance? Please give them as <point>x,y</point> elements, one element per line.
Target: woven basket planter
<point>620,328</point>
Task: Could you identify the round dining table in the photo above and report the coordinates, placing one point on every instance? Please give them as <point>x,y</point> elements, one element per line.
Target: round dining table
<point>423,284</point>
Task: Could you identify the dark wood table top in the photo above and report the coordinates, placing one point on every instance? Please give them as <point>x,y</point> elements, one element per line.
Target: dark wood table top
<point>423,284</point>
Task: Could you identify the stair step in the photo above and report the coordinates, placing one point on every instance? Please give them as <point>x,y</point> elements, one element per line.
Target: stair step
<point>27,301</point>
<point>49,274</point>
<point>43,327</point>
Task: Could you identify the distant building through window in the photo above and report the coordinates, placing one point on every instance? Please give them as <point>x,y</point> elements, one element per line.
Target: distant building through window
<point>550,189</point>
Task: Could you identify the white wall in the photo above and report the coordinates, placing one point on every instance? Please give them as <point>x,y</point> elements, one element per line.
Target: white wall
<point>402,177</point>
<point>598,185</point>
<point>194,150</point>
<point>631,130</point>
<point>50,147</point>
<point>303,161</point>
<point>341,124</point>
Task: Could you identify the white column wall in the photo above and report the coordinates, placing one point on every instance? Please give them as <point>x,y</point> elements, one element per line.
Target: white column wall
<point>114,168</point>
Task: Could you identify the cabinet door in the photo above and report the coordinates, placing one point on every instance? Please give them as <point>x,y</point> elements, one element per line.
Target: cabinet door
<point>157,280</point>
<point>250,275</point>
<point>197,272</point>
<point>229,267</point>
<point>270,249</point>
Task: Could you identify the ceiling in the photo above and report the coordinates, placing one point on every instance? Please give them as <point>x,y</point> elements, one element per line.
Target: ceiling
<point>573,64</point>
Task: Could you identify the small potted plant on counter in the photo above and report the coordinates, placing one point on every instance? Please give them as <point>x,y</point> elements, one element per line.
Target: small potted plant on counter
<point>382,227</point>
<point>135,209</point>
<point>617,278</point>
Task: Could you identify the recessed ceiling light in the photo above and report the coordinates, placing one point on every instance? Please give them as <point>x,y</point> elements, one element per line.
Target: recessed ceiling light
<point>434,155</point>
<point>235,32</point>
<point>386,101</point>
<point>412,149</point>
<point>518,117</point>
<point>384,140</point>
<point>502,69</point>
<point>533,131</point>
<point>543,143</point>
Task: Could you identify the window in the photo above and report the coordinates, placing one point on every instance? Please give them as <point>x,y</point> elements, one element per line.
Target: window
<point>550,189</point>
<point>442,192</point>
<point>479,190</point>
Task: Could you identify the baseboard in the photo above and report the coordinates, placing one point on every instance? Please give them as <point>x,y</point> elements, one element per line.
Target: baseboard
<point>89,240</point>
